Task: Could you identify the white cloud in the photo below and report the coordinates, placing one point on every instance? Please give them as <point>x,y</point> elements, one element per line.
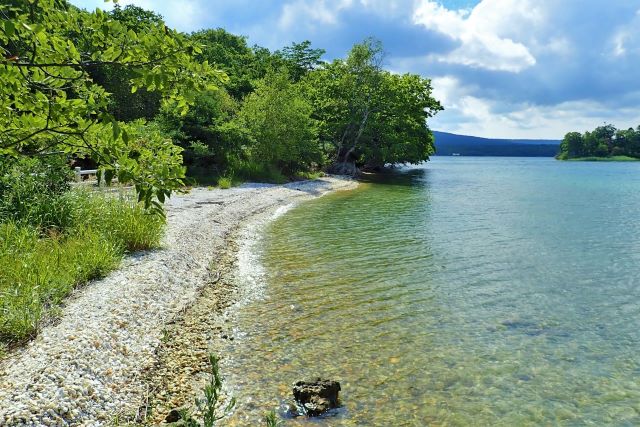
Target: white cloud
<point>626,39</point>
<point>311,12</point>
<point>484,33</point>
<point>472,115</point>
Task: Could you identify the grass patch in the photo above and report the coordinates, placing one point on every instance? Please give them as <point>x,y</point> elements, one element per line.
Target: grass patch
<point>40,266</point>
<point>605,159</point>
<point>301,176</point>
<point>251,171</point>
<point>225,183</point>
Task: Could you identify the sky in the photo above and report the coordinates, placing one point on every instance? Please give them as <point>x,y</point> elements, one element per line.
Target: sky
<point>501,68</point>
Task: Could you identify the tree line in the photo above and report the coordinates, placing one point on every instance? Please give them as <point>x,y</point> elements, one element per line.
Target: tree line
<point>603,141</point>
<point>147,104</point>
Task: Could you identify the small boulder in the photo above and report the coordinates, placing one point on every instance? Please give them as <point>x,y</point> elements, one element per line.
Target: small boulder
<point>174,415</point>
<point>316,397</point>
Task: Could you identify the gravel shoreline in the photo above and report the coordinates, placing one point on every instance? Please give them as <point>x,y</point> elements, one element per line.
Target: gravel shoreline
<point>102,361</point>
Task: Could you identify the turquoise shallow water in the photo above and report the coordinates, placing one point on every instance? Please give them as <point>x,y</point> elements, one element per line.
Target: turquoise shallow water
<point>469,291</point>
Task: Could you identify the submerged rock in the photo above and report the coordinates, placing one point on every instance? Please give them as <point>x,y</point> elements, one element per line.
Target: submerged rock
<point>316,397</point>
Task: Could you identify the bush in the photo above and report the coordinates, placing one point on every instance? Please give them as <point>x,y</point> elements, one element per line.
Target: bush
<point>225,183</point>
<point>31,190</point>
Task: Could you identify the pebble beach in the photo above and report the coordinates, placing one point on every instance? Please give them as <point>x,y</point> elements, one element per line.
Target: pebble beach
<point>94,364</point>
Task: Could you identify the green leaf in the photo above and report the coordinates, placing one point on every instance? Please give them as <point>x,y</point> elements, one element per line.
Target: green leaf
<point>9,28</point>
<point>116,129</point>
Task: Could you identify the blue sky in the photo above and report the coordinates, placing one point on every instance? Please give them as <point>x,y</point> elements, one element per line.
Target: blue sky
<point>502,68</point>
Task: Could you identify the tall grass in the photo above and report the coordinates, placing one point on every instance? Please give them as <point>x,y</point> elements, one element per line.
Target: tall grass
<point>84,237</point>
<point>254,171</point>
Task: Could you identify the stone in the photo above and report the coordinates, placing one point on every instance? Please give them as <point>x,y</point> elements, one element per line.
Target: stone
<point>315,398</point>
<point>173,416</point>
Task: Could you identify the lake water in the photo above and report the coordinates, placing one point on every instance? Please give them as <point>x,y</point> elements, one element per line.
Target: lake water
<point>468,291</point>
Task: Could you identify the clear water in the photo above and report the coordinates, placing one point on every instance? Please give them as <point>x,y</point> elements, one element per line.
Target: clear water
<point>470,291</point>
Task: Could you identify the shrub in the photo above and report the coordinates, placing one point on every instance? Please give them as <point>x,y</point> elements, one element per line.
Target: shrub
<point>225,183</point>
<point>31,191</point>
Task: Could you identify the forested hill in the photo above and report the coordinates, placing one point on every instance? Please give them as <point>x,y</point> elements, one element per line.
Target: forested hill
<point>448,143</point>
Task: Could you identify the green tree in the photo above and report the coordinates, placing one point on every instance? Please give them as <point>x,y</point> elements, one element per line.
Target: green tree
<point>116,80</point>
<point>398,131</point>
<point>231,54</point>
<point>279,121</point>
<point>300,59</point>
<point>343,94</point>
<point>208,134</point>
<point>243,64</point>
<point>368,117</point>
<point>628,142</point>
<point>572,145</point>
<point>50,102</point>
<point>603,141</point>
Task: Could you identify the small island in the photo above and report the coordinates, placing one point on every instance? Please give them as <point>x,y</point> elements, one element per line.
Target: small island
<point>604,143</point>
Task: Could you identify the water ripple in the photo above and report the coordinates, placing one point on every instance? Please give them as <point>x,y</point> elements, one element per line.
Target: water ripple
<point>468,292</point>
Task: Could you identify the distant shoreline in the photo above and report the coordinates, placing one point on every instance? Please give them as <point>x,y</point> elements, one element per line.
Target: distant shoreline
<point>602,159</point>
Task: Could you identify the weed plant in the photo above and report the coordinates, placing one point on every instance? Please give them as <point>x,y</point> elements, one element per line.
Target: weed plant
<point>210,406</point>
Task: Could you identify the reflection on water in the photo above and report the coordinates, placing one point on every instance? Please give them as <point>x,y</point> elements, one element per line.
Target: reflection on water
<point>468,292</point>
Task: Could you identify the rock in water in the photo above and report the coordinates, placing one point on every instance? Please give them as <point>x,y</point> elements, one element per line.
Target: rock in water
<point>316,397</point>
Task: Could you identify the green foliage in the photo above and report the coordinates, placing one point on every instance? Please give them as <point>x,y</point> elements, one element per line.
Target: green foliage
<point>279,121</point>
<point>225,183</point>
<point>49,100</point>
<point>230,53</point>
<point>39,267</point>
<point>210,138</point>
<point>209,407</point>
<point>136,18</point>
<point>271,419</point>
<point>260,171</point>
<point>32,191</point>
<point>603,142</point>
<point>369,116</point>
<point>397,131</point>
<point>300,59</point>
<point>116,80</point>
<point>146,158</point>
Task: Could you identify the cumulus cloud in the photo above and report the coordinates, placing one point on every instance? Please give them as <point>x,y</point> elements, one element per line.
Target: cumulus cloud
<point>311,13</point>
<point>484,32</point>
<point>495,118</point>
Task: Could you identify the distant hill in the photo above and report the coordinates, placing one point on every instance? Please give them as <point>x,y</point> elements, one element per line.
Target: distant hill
<point>448,143</point>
